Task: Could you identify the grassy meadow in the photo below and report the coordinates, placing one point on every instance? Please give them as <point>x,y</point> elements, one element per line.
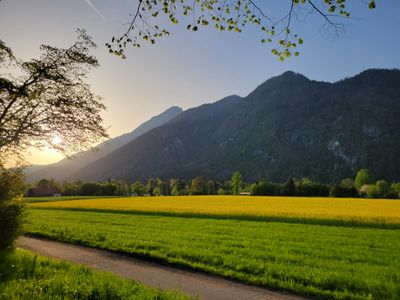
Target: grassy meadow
<point>27,276</point>
<point>62,198</point>
<point>339,261</point>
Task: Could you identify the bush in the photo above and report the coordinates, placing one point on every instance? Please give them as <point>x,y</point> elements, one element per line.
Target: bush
<point>383,188</point>
<point>364,177</point>
<point>156,191</point>
<point>198,186</point>
<point>91,189</point>
<point>11,205</point>
<point>308,188</point>
<point>344,192</point>
<point>264,188</point>
<point>396,189</point>
<point>313,190</point>
<point>138,188</point>
<point>347,183</point>
<point>289,188</point>
<point>392,195</point>
<point>107,189</point>
<point>372,191</point>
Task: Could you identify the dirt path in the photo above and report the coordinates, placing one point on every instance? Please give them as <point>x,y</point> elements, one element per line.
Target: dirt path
<point>150,274</point>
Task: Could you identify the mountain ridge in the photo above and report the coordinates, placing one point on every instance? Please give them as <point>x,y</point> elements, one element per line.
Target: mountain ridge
<point>65,167</point>
<point>289,126</point>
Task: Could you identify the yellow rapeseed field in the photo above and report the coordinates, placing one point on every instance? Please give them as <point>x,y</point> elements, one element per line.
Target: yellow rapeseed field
<point>376,210</point>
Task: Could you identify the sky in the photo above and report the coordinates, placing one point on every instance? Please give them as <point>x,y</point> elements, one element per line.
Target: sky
<point>187,68</point>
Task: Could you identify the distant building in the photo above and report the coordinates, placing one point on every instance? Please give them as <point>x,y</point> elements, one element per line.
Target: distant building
<point>43,192</point>
<point>245,193</point>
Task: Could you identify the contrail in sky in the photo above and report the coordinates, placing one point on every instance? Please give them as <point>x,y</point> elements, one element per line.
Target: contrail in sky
<point>96,10</point>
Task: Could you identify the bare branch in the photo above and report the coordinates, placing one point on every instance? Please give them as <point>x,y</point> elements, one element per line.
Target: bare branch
<point>325,16</point>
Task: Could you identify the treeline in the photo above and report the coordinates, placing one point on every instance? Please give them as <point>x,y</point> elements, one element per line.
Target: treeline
<point>364,185</point>
<point>80,188</point>
<point>153,187</point>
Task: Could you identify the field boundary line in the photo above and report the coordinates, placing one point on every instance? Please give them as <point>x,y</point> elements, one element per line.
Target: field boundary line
<point>380,223</point>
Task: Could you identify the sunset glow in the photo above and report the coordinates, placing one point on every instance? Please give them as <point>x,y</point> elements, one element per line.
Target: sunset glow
<point>56,140</point>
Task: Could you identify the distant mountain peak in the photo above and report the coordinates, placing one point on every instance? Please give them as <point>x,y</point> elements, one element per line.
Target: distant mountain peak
<point>290,76</point>
<point>64,168</point>
<point>291,73</point>
<point>161,118</point>
<point>230,99</point>
<point>173,109</point>
<point>287,79</point>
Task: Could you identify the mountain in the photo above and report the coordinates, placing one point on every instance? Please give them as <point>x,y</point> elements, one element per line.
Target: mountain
<point>66,167</point>
<point>288,126</point>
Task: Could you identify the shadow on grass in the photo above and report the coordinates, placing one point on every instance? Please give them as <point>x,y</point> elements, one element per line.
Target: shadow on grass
<point>64,198</point>
<point>354,222</point>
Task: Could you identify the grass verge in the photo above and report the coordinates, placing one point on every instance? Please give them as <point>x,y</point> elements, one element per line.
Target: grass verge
<point>27,276</point>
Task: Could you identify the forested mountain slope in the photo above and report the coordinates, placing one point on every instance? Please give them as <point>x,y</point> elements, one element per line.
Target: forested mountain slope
<point>288,126</point>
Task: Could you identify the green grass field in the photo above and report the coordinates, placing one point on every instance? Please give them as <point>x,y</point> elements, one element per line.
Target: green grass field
<point>337,262</point>
<point>62,198</point>
<point>27,276</point>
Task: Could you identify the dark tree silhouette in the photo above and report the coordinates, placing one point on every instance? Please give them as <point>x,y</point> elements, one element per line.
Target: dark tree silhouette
<point>49,99</point>
<point>11,205</point>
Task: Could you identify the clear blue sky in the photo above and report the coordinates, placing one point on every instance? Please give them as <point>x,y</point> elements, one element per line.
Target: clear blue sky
<point>188,69</point>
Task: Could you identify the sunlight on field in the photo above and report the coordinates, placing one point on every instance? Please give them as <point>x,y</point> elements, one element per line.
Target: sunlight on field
<point>326,208</point>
